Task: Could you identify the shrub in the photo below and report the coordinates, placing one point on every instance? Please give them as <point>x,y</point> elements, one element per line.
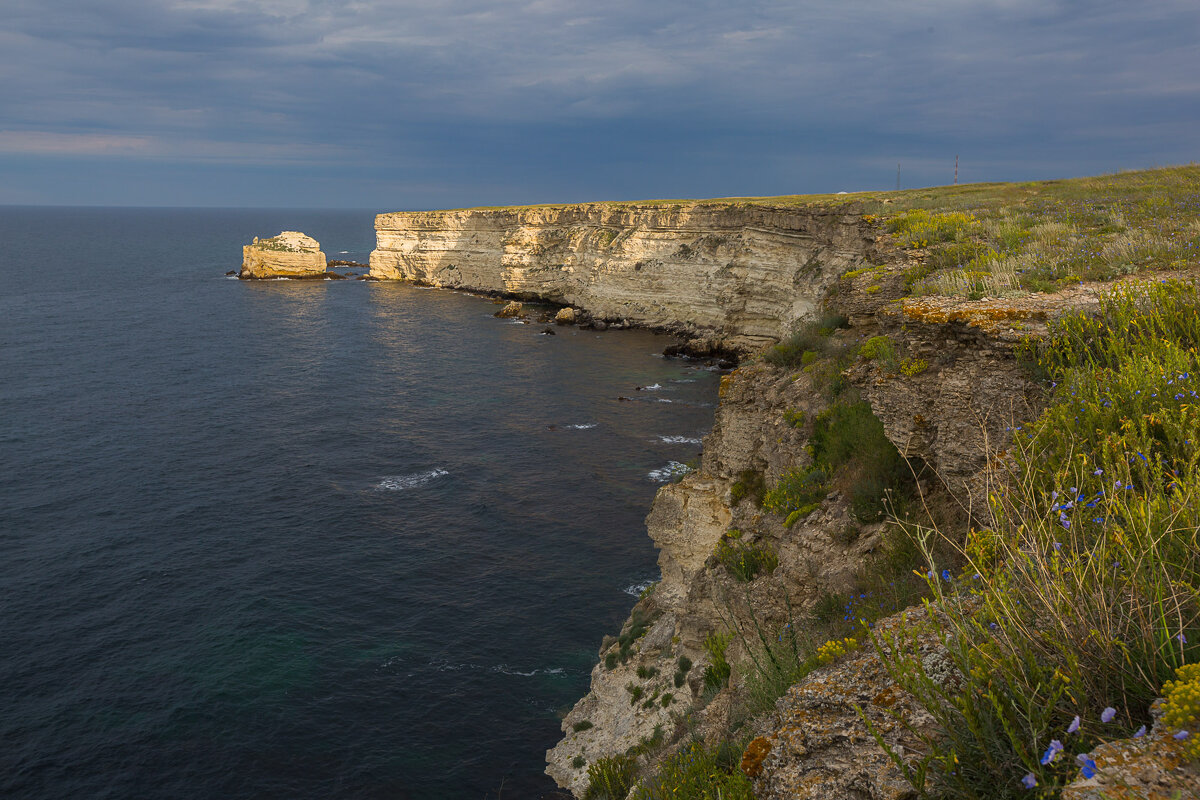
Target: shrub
<point>584,725</point>
<point>852,434</point>
<point>797,490</point>
<point>920,228</point>
<point>611,659</point>
<point>1181,709</point>
<point>635,693</point>
<point>809,337</point>
<point>834,649</point>
<point>794,417</point>
<point>913,366</point>
<point>638,625</point>
<point>683,666</point>
<point>716,674</point>
<point>879,349</point>
<point>749,484</point>
<point>610,778</point>
<point>578,762</point>
<point>746,561</point>
<point>645,673</point>
<point>699,773</point>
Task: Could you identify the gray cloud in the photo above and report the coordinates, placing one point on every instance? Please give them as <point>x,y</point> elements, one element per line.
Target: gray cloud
<point>762,92</point>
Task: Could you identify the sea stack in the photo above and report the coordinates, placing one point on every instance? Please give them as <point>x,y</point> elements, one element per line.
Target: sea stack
<point>291,254</point>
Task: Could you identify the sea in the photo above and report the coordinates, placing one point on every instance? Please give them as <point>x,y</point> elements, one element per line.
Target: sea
<point>296,539</point>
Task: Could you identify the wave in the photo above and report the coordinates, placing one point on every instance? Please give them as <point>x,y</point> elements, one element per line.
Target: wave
<point>654,387</point>
<point>504,669</point>
<point>672,470</point>
<point>582,427</point>
<point>396,483</point>
<point>681,439</point>
<point>636,589</point>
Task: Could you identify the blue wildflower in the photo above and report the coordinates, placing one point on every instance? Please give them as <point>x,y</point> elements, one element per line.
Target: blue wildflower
<point>1052,752</point>
<point>1029,781</point>
<point>1108,714</point>
<point>1140,732</point>
<point>1074,726</point>
<point>1181,735</point>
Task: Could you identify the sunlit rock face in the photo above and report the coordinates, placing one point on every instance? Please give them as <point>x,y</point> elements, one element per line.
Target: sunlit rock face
<point>738,269</point>
<point>291,254</point>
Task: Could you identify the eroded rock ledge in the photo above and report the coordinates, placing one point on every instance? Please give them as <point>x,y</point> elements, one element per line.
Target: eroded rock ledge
<point>738,270</point>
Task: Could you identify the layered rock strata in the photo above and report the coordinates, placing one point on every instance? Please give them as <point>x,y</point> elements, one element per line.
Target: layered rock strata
<point>737,270</point>
<point>291,254</point>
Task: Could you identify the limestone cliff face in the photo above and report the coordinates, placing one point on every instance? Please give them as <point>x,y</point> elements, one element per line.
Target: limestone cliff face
<point>948,398</point>
<point>735,269</point>
<point>291,254</point>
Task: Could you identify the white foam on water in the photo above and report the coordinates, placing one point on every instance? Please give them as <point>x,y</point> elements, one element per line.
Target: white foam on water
<point>680,439</point>
<point>636,589</point>
<point>654,387</point>
<point>584,427</point>
<point>504,669</point>
<point>673,469</point>
<point>396,483</point>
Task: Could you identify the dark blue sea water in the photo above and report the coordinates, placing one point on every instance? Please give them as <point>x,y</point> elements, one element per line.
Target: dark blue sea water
<point>294,539</point>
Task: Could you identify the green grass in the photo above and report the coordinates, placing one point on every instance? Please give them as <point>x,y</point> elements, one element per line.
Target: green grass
<point>699,773</point>
<point>1088,580</point>
<point>1011,238</point>
<point>744,560</point>
<point>610,778</point>
<point>805,344</point>
<point>718,671</point>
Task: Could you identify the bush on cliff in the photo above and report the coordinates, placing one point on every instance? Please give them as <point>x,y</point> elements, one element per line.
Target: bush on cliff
<point>699,773</point>
<point>809,337</point>
<point>1087,583</point>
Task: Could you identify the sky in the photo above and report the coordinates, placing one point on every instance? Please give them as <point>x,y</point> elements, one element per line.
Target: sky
<point>394,104</point>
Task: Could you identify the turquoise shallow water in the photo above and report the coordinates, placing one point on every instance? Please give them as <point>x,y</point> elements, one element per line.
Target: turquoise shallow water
<point>294,539</point>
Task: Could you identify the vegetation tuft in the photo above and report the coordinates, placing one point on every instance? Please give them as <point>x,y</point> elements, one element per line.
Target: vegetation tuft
<point>1087,582</point>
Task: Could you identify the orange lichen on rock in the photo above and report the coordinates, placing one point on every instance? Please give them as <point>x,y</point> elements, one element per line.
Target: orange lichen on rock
<point>756,753</point>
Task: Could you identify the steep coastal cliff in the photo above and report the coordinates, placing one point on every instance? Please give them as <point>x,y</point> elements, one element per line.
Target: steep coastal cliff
<point>736,270</point>
<point>857,465</point>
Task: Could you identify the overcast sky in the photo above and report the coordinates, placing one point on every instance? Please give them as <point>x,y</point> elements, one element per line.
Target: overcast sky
<point>393,104</point>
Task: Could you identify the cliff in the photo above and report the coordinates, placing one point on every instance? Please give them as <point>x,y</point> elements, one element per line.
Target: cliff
<point>847,460</point>
<point>291,254</point>
<point>736,270</point>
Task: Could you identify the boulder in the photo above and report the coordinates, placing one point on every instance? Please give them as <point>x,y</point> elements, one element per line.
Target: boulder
<point>291,254</point>
<point>565,316</point>
<point>513,309</point>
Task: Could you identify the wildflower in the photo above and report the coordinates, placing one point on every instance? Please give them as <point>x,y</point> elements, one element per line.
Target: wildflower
<point>1052,752</point>
<point>1098,472</point>
<point>1181,735</point>
<point>1074,726</point>
<point>1058,545</point>
<point>1087,767</point>
<point>1029,781</point>
<point>1140,732</point>
<point>945,574</point>
<point>1108,714</point>
<point>1182,639</point>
